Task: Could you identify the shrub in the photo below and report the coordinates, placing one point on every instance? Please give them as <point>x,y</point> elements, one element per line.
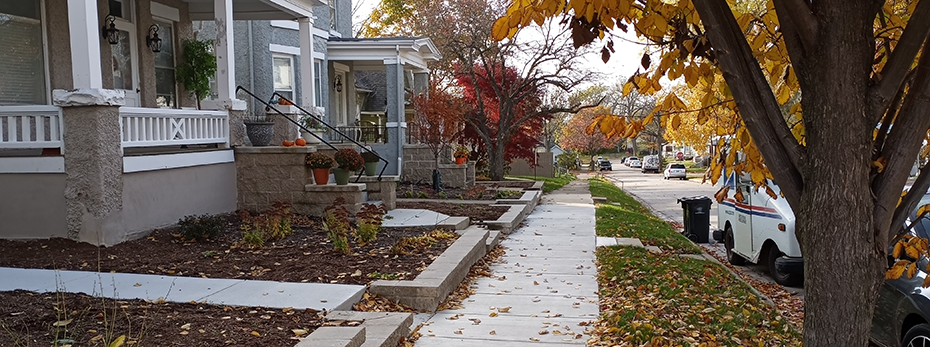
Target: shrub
<point>459,196</point>
<point>369,218</point>
<point>416,244</point>
<point>506,194</point>
<point>441,195</point>
<point>348,159</point>
<point>409,194</point>
<point>423,195</point>
<point>199,228</point>
<point>337,226</point>
<point>319,161</point>
<point>271,225</point>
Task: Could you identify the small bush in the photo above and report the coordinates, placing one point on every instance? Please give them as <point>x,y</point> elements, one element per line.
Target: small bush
<point>203,227</point>
<point>507,194</point>
<point>441,195</point>
<point>423,195</point>
<point>417,244</point>
<point>459,196</point>
<point>337,226</point>
<point>272,225</point>
<point>479,196</point>
<point>409,194</point>
<point>369,218</point>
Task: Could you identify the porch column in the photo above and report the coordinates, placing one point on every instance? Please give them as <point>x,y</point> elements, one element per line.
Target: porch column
<point>307,94</point>
<point>226,74</point>
<point>396,120</point>
<point>93,154</point>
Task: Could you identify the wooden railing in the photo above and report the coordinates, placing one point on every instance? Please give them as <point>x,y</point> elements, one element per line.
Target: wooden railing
<point>35,126</point>
<point>151,127</point>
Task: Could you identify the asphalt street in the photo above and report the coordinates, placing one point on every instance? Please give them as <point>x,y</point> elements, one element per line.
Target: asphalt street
<point>662,196</point>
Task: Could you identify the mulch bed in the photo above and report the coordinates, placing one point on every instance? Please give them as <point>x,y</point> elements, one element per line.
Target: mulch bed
<point>304,256</point>
<point>478,192</point>
<point>31,319</point>
<point>476,212</point>
<point>508,184</point>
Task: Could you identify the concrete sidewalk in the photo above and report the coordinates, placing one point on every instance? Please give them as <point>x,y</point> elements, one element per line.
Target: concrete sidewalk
<point>233,292</point>
<point>545,287</point>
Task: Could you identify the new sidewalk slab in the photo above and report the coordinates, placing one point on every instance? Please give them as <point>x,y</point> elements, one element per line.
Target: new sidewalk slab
<point>271,294</point>
<point>545,287</point>
<point>412,218</point>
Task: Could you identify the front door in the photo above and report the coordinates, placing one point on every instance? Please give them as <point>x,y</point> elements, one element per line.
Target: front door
<point>126,62</point>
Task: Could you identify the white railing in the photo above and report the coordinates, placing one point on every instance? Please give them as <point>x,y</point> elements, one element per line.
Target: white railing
<point>149,127</point>
<point>34,126</point>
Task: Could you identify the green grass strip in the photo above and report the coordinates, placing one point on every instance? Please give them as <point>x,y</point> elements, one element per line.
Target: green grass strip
<point>550,183</point>
<point>623,216</point>
<point>667,300</point>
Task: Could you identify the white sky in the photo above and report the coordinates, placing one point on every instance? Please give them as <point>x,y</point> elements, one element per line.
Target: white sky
<point>623,63</point>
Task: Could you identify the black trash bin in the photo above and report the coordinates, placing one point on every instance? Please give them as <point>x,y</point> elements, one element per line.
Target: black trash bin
<point>697,218</point>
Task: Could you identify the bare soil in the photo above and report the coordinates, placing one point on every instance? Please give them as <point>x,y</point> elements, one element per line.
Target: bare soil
<point>478,192</point>
<point>32,319</point>
<point>476,212</point>
<point>304,256</point>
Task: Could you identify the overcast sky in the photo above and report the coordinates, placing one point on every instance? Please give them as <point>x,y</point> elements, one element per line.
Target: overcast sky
<point>622,64</point>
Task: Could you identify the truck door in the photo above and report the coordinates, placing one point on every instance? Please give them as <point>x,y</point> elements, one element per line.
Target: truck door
<point>742,228</point>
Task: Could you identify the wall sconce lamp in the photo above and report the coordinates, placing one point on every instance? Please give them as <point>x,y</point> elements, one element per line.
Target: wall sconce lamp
<point>109,30</point>
<point>152,39</point>
<point>337,84</point>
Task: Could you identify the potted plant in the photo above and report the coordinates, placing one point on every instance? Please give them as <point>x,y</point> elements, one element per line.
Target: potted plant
<point>347,161</point>
<point>371,162</point>
<point>461,155</point>
<point>320,164</point>
<point>315,126</point>
<point>260,130</point>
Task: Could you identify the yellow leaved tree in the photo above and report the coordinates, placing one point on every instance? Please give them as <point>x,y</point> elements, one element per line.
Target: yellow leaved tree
<point>827,98</point>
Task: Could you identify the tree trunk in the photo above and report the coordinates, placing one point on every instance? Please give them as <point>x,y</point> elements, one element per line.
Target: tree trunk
<point>843,265</point>
<point>496,161</point>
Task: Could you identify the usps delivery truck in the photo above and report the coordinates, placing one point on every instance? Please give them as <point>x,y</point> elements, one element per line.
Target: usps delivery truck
<point>756,228</point>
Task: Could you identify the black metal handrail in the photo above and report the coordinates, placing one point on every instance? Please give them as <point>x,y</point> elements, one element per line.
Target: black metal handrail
<point>269,107</point>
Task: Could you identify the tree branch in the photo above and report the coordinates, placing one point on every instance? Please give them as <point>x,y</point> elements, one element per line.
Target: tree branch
<point>798,23</point>
<point>900,151</point>
<point>893,75</point>
<point>754,98</point>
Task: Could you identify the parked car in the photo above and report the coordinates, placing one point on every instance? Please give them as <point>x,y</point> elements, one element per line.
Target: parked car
<point>636,164</point>
<point>606,165</point>
<point>675,171</point>
<point>902,309</point>
<point>630,161</point>
<point>651,164</point>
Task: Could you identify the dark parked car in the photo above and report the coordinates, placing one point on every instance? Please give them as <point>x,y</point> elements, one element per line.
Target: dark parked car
<point>606,165</point>
<point>902,310</point>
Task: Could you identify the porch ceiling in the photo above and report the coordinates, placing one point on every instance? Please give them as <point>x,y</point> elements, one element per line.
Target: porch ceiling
<point>256,9</point>
<point>374,53</point>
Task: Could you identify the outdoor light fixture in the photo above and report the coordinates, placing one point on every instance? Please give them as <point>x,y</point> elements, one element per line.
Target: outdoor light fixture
<point>337,84</point>
<point>152,39</point>
<point>109,30</point>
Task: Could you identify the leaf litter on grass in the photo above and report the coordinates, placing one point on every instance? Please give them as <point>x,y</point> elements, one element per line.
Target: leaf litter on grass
<point>665,300</point>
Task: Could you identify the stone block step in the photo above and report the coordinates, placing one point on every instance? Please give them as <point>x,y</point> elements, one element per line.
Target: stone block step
<point>335,337</point>
<point>382,329</point>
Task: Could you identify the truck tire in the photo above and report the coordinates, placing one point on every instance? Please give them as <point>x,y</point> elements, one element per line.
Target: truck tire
<point>733,258</point>
<point>782,278</point>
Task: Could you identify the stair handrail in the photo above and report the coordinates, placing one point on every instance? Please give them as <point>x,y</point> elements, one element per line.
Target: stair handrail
<point>269,107</point>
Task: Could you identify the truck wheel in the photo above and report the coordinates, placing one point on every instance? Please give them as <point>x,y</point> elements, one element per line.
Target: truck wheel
<point>782,278</point>
<point>733,258</point>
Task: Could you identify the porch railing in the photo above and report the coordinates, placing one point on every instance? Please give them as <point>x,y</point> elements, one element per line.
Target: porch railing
<point>364,134</point>
<point>34,126</point>
<point>150,127</point>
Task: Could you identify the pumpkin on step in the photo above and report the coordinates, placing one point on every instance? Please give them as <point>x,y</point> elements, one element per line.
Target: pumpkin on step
<point>300,142</point>
<point>288,143</point>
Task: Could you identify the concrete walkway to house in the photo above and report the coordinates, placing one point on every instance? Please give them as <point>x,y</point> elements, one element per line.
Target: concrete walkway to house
<point>545,287</point>
<point>233,292</point>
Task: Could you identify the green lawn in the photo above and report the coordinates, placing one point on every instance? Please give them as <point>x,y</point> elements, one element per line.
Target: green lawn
<point>550,183</point>
<point>666,300</point>
<point>623,216</point>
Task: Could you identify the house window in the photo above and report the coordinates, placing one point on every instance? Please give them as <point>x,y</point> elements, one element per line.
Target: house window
<point>284,75</point>
<point>332,14</point>
<point>121,9</point>
<point>166,94</point>
<point>317,83</point>
<point>22,59</point>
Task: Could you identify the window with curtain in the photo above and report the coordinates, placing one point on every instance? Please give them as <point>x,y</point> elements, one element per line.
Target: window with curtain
<point>166,94</point>
<point>317,83</point>
<point>284,75</point>
<point>22,59</point>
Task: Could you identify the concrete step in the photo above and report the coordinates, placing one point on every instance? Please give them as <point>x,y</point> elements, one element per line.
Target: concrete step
<point>382,329</point>
<point>494,239</point>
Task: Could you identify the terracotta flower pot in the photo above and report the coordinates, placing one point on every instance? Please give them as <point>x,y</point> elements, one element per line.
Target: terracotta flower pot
<point>321,176</point>
<point>461,160</point>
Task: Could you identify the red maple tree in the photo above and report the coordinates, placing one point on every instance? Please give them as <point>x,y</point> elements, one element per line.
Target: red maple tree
<point>437,120</point>
<point>575,138</point>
